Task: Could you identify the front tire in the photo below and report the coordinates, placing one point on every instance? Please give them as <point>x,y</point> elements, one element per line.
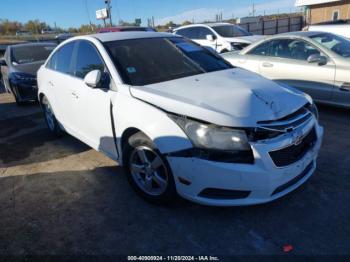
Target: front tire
<point>148,171</point>
<point>50,118</point>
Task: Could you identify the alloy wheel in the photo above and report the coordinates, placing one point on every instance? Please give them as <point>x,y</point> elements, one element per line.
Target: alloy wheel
<point>149,171</point>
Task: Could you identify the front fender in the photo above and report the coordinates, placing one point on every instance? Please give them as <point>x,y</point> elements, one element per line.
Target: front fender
<point>129,112</point>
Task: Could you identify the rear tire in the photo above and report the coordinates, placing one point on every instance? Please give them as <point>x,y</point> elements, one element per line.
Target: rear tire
<point>50,118</point>
<point>148,171</point>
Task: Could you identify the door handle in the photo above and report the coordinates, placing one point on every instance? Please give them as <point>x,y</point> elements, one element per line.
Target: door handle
<point>51,84</point>
<point>75,95</point>
<point>266,64</point>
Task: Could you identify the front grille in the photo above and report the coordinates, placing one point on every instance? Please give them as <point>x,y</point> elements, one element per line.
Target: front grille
<point>294,153</point>
<point>294,180</point>
<point>273,128</point>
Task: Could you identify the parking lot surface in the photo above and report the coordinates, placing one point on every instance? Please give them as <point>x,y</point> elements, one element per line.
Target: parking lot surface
<point>58,196</point>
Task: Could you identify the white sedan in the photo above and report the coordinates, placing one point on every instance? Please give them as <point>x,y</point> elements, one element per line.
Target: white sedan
<point>316,63</point>
<point>180,119</point>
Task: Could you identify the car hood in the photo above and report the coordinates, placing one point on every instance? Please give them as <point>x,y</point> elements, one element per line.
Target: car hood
<point>233,97</point>
<point>245,39</point>
<point>31,68</point>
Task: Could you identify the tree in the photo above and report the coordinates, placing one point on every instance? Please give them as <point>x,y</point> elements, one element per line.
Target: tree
<point>186,23</point>
<point>35,26</point>
<point>8,27</point>
<point>170,24</point>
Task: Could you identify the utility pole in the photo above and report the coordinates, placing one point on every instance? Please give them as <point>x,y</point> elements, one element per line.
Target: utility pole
<point>253,11</point>
<point>109,9</point>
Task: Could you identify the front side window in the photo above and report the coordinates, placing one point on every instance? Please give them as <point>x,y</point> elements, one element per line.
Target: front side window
<point>292,49</point>
<point>231,31</point>
<point>203,32</point>
<point>337,44</point>
<point>87,60</point>
<point>153,60</point>
<point>30,53</point>
<point>61,60</point>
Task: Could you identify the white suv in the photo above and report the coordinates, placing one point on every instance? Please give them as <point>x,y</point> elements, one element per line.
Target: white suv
<point>180,119</point>
<point>221,37</point>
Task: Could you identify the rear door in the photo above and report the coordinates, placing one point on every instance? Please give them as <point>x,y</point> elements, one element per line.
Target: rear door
<point>92,106</point>
<point>58,77</point>
<point>287,63</point>
<point>252,60</point>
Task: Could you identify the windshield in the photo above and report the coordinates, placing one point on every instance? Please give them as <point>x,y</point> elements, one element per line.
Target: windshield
<point>231,31</point>
<point>31,54</point>
<point>337,44</point>
<point>153,60</point>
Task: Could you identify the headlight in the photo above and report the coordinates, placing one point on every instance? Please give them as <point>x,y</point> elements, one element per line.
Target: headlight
<point>313,109</point>
<point>207,136</point>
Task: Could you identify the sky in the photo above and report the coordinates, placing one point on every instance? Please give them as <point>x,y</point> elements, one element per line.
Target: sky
<point>67,13</point>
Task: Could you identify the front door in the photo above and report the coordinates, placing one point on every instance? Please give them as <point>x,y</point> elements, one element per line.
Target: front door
<point>287,62</point>
<point>92,106</point>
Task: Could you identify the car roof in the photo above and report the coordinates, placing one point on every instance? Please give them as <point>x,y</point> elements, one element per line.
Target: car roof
<point>203,24</point>
<point>115,36</point>
<point>300,34</point>
<point>32,44</point>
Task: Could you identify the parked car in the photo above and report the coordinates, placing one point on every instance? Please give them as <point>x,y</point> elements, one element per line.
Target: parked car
<point>19,67</point>
<point>48,31</point>
<point>63,36</point>
<point>221,37</point>
<point>317,63</point>
<point>339,27</point>
<point>126,29</point>
<point>181,119</point>
<point>23,33</point>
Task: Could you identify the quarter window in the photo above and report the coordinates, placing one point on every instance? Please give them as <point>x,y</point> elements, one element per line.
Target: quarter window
<point>87,60</point>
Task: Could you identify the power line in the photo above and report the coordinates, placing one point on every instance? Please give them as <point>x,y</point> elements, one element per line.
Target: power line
<point>88,14</point>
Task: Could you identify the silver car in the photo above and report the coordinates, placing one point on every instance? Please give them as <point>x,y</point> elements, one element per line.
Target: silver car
<point>317,63</point>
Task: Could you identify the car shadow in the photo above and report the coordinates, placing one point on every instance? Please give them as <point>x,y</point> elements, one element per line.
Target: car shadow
<point>27,140</point>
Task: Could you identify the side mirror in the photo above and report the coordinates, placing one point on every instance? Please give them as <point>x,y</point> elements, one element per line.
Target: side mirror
<point>93,78</point>
<point>319,59</point>
<point>211,38</point>
<point>2,62</point>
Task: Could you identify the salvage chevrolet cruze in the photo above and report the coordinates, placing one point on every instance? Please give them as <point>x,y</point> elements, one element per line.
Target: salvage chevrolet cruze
<point>180,119</point>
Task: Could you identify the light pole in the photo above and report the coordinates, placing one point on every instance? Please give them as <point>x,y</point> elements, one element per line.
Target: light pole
<point>109,7</point>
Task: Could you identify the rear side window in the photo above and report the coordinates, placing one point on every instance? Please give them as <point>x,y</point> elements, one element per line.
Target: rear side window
<point>31,53</point>
<point>87,60</point>
<point>262,49</point>
<point>61,60</point>
<point>191,32</point>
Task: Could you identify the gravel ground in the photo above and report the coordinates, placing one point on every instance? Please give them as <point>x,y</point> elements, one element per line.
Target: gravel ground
<point>59,197</point>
